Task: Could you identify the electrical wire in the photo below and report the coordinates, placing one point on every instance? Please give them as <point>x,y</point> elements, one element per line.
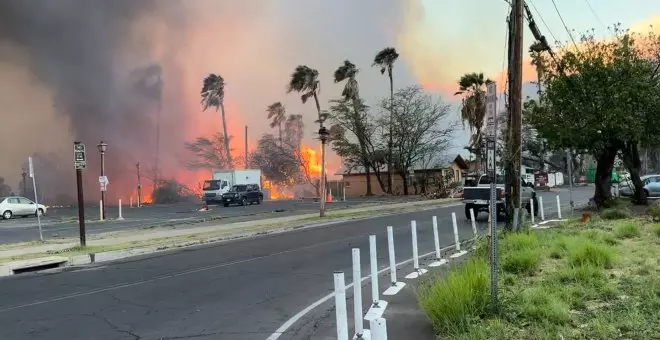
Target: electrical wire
<point>543,20</point>
<point>570,35</point>
<point>596,15</point>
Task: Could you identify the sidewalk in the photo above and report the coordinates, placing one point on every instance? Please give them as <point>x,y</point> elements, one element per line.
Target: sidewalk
<point>162,238</point>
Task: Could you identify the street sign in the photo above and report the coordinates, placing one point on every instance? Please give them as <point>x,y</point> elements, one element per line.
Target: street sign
<point>491,160</point>
<point>31,167</point>
<point>79,158</point>
<point>103,181</point>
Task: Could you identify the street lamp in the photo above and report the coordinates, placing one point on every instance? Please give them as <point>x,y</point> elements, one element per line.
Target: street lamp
<point>323,136</point>
<point>102,148</point>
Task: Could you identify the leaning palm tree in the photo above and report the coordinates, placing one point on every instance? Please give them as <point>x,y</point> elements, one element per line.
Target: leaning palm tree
<point>385,60</point>
<point>347,71</point>
<point>213,94</point>
<point>277,113</point>
<point>473,110</point>
<point>305,81</point>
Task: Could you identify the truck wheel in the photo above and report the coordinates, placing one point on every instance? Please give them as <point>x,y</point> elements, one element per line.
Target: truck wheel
<point>467,212</point>
<point>259,199</point>
<point>243,201</point>
<point>225,204</point>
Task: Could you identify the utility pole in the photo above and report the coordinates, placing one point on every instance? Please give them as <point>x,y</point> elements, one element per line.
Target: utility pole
<point>246,148</point>
<point>139,186</point>
<point>23,175</point>
<point>80,162</point>
<point>515,107</point>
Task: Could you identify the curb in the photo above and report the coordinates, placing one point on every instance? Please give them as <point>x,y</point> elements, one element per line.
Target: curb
<point>7,269</point>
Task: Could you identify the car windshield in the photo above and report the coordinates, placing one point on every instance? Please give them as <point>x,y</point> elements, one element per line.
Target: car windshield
<point>239,188</point>
<point>211,185</point>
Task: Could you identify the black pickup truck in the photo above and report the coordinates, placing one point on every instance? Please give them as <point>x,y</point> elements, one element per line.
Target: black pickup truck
<point>243,194</point>
<point>478,198</point>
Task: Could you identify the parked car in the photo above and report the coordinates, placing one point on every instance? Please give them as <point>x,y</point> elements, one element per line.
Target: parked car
<point>243,194</point>
<point>651,186</point>
<point>20,206</point>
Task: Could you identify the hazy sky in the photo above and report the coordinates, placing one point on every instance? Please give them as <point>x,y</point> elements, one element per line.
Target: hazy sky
<point>255,45</point>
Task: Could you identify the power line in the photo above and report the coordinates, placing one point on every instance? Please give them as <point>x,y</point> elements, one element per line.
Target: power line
<point>542,20</point>
<point>596,15</point>
<point>564,23</point>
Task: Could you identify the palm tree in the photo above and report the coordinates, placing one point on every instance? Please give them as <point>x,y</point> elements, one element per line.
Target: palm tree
<point>213,94</point>
<point>305,81</point>
<point>385,60</point>
<point>473,109</point>
<point>277,113</point>
<point>351,92</point>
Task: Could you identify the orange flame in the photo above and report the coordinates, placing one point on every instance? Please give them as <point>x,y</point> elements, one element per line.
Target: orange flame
<point>311,162</point>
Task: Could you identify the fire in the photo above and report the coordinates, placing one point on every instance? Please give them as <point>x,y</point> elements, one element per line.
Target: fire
<point>311,162</point>
<point>277,192</point>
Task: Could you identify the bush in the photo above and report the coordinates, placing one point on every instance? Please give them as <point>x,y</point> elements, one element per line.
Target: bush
<point>524,261</point>
<point>614,214</point>
<point>589,253</point>
<point>626,230</point>
<point>454,302</point>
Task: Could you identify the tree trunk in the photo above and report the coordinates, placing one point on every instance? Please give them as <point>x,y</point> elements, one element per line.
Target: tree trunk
<point>390,143</point>
<point>226,137</point>
<point>603,180</point>
<point>634,164</point>
<point>363,148</point>
<point>281,141</point>
<point>404,177</point>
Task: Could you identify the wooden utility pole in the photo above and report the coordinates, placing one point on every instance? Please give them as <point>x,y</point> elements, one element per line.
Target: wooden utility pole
<point>515,108</point>
<point>139,186</point>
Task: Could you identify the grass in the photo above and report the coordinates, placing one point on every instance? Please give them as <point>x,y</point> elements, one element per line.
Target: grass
<point>614,214</point>
<point>595,280</point>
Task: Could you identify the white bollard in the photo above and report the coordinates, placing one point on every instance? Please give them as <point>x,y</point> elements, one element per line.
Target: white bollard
<point>378,307</point>
<point>531,209</point>
<point>120,215</point>
<point>131,201</point>
<point>395,286</point>
<point>374,270</point>
<point>378,329</point>
<point>542,211</point>
<point>558,208</point>
<point>459,252</point>
<point>100,210</point>
<point>357,294</point>
<point>436,241</point>
<point>417,271</point>
<point>474,222</point>
<point>340,306</point>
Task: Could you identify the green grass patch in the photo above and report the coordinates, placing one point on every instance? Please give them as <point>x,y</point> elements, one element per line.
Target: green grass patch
<point>454,302</point>
<point>594,280</point>
<point>626,230</point>
<point>614,214</point>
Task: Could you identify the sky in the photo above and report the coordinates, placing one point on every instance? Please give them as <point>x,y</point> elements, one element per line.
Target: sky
<point>254,45</point>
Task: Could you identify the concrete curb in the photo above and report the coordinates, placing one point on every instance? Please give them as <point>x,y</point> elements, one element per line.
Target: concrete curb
<point>7,269</point>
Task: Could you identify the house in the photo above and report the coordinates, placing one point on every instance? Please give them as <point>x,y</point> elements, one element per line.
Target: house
<point>420,180</point>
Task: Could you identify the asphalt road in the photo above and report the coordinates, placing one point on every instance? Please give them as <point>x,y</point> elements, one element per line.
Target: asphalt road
<point>63,222</point>
<point>237,290</point>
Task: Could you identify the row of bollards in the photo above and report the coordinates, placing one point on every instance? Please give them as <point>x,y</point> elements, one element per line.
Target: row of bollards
<point>377,324</point>
<point>541,209</point>
<point>119,218</point>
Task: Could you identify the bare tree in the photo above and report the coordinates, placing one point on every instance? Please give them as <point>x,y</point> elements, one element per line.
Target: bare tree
<point>209,153</point>
<point>419,129</point>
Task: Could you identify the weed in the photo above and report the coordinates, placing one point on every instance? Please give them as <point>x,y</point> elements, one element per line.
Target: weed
<point>626,230</point>
<point>542,305</point>
<point>656,229</point>
<point>524,261</point>
<point>454,302</point>
<point>614,214</point>
<point>587,252</point>
<point>520,241</point>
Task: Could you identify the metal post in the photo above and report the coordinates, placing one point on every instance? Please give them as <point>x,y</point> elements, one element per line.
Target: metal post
<point>357,294</point>
<point>542,210</point>
<point>102,151</point>
<point>390,248</point>
<point>413,230</point>
<point>570,180</point>
<point>101,211</point>
<point>36,199</point>
<point>81,208</point>
<point>378,328</point>
<point>340,306</point>
<point>558,208</point>
<point>374,270</point>
<point>120,215</point>
<point>131,201</point>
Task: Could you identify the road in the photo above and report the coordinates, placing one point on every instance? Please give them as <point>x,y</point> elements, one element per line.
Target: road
<point>237,290</point>
<point>63,222</point>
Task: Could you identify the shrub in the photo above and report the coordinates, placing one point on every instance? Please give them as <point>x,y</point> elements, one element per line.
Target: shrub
<point>589,253</point>
<point>454,302</point>
<point>524,261</point>
<point>614,214</point>
<point>626,230</point>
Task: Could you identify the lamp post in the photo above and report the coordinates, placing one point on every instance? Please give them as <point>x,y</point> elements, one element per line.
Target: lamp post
<point>102,148</point>
<point>323,136</point>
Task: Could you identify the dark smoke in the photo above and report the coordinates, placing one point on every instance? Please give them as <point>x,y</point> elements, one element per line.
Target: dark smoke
<point>103,80</point>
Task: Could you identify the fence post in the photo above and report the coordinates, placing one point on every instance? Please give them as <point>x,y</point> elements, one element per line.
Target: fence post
<point>340,306</point>
<point>436,241</point>
<point>395,286</point>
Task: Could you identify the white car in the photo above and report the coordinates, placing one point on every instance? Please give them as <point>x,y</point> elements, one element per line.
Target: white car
<point>20,206</point>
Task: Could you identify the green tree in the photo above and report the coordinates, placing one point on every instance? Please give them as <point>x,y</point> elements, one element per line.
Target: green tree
<point>305,81</point>
<point>351,92</point>
<point>213,94</point>
<point>602,98</point>
<point>385,60</point>
<point>472,87</point>
<point>277,114</point>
